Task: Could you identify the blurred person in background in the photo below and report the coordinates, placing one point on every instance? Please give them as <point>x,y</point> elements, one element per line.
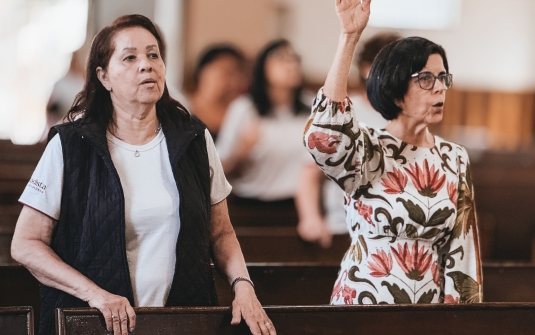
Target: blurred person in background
<point>65,90</point>
<point>319,201</point>
<point>260,142</point>
<point>219,79</point>
<point>127,206</point>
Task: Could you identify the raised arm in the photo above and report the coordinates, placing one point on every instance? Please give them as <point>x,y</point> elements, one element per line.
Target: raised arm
<point>31,248</point>
<point>353,16</point>
<point>341,148</point>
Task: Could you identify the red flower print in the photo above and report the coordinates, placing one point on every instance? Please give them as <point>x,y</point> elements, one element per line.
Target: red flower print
<point>449,299</point>
<point>414,264</point>
<point>452,192</point>
<point>436,274</point>
<point>347,292</point>
<point>395,183</point>
<point>427,180</point>
<point>365,211</point>
<point>381,264</point>
<point>323,142</point>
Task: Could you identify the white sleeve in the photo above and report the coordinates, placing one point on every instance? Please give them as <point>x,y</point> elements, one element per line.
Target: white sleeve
<point>240,114</point>
<point>43,191</point>
<point>219,186</point>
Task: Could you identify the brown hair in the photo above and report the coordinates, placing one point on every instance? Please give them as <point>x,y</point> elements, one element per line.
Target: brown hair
<point>93,103</point>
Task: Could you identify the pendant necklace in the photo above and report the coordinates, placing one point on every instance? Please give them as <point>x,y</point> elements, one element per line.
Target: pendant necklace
<point>136,153</point>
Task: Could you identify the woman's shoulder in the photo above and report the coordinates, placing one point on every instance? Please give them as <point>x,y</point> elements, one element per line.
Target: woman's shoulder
<point>241,110</point>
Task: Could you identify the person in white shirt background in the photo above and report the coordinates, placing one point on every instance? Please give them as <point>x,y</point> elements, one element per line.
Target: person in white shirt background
<point>319,201</point>
<point>260,142</point>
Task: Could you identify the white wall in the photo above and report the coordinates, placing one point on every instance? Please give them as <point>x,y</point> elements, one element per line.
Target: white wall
<point>492,48</point>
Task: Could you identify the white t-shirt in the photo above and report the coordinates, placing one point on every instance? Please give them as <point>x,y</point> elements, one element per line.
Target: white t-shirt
<point>275,162</point>
<point>333,196</point>
<point>151,207</point>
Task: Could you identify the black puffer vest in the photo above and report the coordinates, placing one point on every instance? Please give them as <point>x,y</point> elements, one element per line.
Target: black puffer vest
<point>90,233</point>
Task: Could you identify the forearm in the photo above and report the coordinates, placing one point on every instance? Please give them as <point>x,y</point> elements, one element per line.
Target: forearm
<point>31,247</point>
<point>228,257</point>
<point>336,83</point>
<point>50,270</point>
<point>307,198</point>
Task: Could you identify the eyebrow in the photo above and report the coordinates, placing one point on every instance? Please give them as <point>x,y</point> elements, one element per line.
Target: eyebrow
<point>134,48</point>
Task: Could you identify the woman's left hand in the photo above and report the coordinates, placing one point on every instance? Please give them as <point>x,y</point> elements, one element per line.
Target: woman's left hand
<point>247,306</point>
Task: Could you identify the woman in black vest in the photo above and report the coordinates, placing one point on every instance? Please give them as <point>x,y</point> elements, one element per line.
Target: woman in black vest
<point>127,204</point>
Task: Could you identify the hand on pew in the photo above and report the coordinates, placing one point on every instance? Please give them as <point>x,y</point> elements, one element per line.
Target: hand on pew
<point>118,314</point>
<point>247,306</point>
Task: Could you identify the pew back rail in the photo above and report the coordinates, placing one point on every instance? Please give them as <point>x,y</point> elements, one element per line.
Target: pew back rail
<point>486,318</point>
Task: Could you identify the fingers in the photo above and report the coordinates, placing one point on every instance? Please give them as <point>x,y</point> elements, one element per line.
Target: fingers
<point>236,316</point>
<point>271,328</point>
<point>108,319</point>
<point>123,323</point>
<point>116,323</point>
<point>131,318</point>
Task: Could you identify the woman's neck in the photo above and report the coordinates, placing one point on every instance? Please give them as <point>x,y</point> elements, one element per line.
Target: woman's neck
<point>280,96</point>
<point>135,126</point>
<point>410,132</point>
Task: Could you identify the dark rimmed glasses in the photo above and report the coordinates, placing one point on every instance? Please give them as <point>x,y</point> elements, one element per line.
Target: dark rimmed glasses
<point>427,80</point>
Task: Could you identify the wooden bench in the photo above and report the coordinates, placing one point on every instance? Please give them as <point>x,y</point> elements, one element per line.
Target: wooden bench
<point>489,318</point>
<point>282,244</point>
<point>292,284</point>
<point>16,321</point>
<point>312,284</point>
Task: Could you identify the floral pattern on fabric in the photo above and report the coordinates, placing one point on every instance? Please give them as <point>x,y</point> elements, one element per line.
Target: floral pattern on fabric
<point>410,212</point>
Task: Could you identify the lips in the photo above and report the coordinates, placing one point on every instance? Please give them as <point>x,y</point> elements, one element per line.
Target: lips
<point>148,81</point>
<point>439,104</point>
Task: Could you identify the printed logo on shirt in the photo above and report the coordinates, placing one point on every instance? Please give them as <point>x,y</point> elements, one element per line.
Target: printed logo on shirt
<point>37,185</point>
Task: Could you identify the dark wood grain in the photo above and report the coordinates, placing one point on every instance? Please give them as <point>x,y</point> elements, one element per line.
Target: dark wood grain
<point>16,321</point>
<point>489,318</point>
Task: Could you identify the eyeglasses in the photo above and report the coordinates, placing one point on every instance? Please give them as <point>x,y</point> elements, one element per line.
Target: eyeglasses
<point>427,80</point>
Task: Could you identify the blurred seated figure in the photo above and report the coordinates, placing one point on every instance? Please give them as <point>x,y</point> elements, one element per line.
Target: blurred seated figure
<point>65,90</point>
<point>260,143</point>
<point>219,78</point>
<point>320,202</point>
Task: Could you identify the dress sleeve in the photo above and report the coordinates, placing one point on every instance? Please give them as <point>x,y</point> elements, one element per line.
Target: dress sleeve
<point>463,272</point>
<point>43,191</point>
<point>219,186</point>
<point>343,149</point>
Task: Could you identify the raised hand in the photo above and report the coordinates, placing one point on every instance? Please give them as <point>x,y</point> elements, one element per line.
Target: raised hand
<point>353,15</point>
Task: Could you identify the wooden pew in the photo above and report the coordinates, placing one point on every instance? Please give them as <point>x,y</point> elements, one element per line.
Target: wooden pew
<point>489,318</point>
<point>292,284</point>
<point>311,284</point>
<point>282,244</point>
<point>16,321</point>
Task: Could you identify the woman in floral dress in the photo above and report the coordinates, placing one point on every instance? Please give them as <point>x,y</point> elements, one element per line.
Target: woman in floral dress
<point>409,196</point>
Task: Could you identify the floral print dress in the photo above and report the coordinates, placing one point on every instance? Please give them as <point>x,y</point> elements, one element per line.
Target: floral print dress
<point>410,212</point>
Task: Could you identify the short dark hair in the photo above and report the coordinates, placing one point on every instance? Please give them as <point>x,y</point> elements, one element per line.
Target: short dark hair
<point>259,83</point>
<point>212,54</point>
<point>391,72</point>
<point>93,103</point>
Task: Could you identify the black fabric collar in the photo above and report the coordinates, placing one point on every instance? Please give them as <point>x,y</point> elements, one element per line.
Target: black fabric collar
<point>174,131</point>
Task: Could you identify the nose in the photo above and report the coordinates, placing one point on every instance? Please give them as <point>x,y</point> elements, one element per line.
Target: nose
<point>439,85</point>
<point>145,65</point>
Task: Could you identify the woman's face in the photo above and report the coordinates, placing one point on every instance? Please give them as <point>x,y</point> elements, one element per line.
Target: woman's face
<point>136,72</point>
<point>283,68</point>
<point>425,106</point>
<point>223,78</point>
